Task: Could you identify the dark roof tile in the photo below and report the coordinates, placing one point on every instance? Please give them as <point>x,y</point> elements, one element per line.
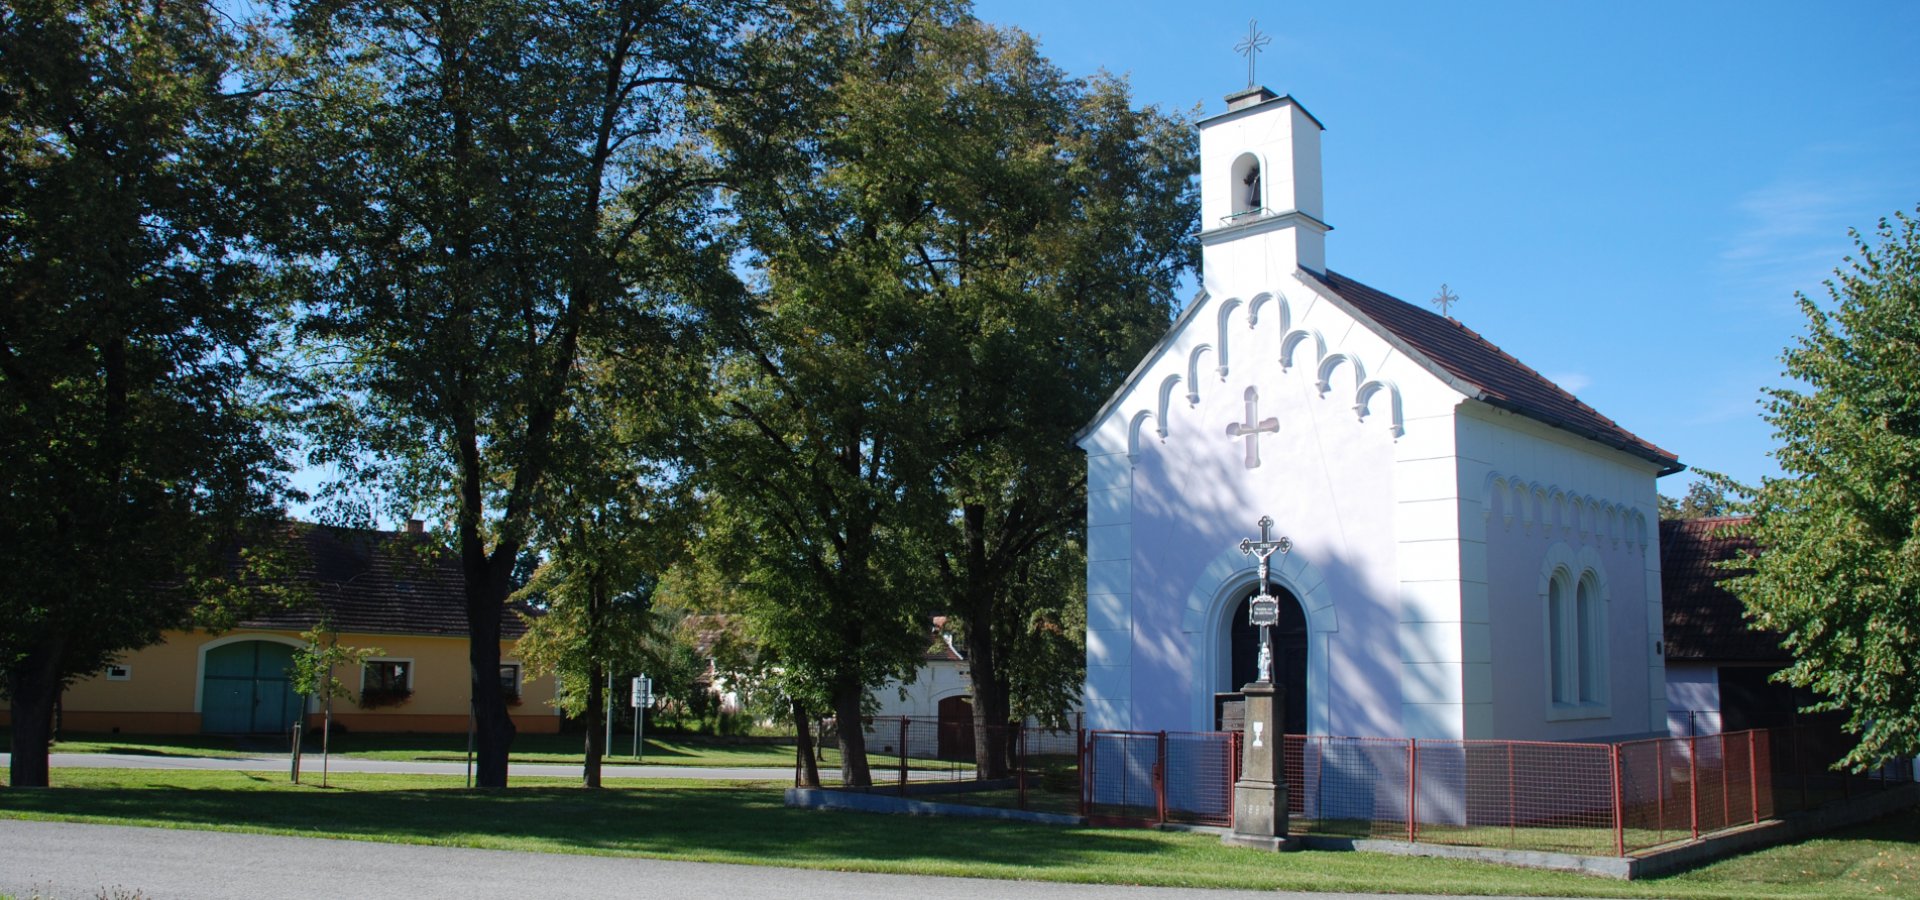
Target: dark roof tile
<point>1504,381</point>
<point>380,582</point>
<point>1704,621</point>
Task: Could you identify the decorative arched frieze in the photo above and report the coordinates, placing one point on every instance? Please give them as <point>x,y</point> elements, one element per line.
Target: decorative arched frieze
<point>1363,398</point>
<point>1166,400</point>
<point>1260,301</point>
<point>1495,489</point>
<point>1294,339</point>
<point>1331,364</point>
<point>1193,373</point>
<point>1133,434</point>
<point>1227,307</point>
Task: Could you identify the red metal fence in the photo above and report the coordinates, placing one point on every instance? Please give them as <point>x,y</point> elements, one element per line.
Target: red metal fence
<point>919,750</point>
<point>1594,799</point>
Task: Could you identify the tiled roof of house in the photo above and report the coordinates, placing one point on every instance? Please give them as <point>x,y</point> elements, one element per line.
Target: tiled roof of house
<point>1705,622</point>
<point>1501,380</point>
<point>376,581</point>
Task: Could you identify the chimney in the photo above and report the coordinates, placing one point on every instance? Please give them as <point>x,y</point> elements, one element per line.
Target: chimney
<point>416,526</point>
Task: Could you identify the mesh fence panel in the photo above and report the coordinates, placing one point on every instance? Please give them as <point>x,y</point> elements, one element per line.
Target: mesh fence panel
<point>1199,777</point>
<point>1596,799</point>
<point>1121,773</point>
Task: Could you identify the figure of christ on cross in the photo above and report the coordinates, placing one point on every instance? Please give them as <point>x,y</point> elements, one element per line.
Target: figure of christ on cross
<point>1264,609</point>
<point>1251,430</point>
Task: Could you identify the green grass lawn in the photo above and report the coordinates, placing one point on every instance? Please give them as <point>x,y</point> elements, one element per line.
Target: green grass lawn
<point>668,750</point>
<point>747,824</point>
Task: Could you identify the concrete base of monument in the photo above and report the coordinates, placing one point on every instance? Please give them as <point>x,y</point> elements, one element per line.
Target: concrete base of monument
<point>1261,842</point>
<point>1259,816</point>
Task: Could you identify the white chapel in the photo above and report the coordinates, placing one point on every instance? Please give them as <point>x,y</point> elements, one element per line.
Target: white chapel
<point>1473,549</point>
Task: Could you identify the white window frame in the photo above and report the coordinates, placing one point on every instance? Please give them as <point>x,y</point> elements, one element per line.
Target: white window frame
<point>519,676</point>
<point>124,673</point>
<point>1580,646</point>
<point>386,659</point>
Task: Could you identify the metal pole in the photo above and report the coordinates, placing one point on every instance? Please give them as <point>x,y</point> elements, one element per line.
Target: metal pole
<point>1693,785</point>
<point>903,756</point>
<point>607,744</point>
<point>1753,778</point>
<point>1619,813</point>
<point>1413,789</point>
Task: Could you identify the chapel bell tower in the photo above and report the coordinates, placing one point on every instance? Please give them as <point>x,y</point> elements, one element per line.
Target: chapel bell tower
<point>1260,205</point>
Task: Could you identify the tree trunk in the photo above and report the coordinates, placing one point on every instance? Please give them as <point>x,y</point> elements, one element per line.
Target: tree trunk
<point>803,746</point>
<point>35,684</point>
<point>493,727</point>
<point>853,737</point>
<point>990,705</point>
<point>596,711</point>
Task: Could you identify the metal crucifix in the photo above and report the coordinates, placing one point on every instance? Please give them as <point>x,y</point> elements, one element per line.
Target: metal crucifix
<point>1250,46</point>
<point>1263,610</point>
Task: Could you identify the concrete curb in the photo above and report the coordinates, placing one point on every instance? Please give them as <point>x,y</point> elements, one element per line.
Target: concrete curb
<point>820,798</point>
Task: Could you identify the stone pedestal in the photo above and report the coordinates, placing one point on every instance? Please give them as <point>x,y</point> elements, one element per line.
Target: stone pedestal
<point>1260,796</point>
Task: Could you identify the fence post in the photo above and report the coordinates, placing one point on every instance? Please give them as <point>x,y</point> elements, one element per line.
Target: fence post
<point>1083,756</point>
<point>1020,762</point>
<point>1413,790</point>
<point>903,756</point>
<point>1512,813</point>
<point>1693,785</point>
<point>1233,766</point>
<point>1160,777</point>
<point>1619,805</point>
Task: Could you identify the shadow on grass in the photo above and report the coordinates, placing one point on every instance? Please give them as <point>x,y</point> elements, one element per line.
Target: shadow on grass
<point>727,823</point>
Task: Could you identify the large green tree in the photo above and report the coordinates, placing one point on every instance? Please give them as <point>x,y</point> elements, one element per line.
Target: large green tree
<point>613,518</point>
<point>492,183</point>
<point>958,251</point>
<point>1838,569</point>
<point>132,447</point>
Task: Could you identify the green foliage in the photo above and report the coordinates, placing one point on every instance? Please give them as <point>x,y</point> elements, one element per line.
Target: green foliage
<point>136,441</point>
<point>1704,499</point>
<point>959,253</point>
<point>1838,571</point>
<point>314,672</point>
<point>495,192</point>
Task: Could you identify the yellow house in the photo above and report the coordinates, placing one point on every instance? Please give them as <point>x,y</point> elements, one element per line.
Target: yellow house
<point>395,592</point>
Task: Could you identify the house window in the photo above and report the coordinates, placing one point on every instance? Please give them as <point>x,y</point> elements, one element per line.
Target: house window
<point>119,672</point>
<point>1576,614</point>
<point>385,682</point>
<point>510,681</point>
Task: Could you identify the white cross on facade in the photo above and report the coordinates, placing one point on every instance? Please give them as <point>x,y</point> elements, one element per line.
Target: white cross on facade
<point>1251,430</point>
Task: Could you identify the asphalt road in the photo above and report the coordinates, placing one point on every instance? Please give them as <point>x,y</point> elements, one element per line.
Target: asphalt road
<point>61,860</point>
<point>310,765</point>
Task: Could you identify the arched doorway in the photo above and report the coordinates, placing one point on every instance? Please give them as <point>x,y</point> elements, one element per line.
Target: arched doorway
<point>1289,655</point>
<point>956,728</point>
<point>245,689</point>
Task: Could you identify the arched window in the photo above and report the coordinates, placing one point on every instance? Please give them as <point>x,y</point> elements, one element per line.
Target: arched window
<point>1576,614</point>
<point>1247,189</point>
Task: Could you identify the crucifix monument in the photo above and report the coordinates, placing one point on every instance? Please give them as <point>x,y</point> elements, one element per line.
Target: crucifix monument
<point>1260,796</point>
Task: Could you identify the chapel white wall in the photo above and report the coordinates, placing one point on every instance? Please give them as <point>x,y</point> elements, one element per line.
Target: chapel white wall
<point>1362,497</point>
<point>1543,494</point>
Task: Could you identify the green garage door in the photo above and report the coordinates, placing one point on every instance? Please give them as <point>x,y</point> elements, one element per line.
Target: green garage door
<point>246,689</point>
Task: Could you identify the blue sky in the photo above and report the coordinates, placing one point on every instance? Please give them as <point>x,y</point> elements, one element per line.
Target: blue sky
<point>1625,195</point>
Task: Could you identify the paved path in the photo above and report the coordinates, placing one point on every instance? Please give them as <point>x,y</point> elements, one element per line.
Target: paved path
<point>61,860</point>
<point>311,765</point>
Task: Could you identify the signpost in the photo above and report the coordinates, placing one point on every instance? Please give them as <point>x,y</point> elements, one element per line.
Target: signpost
<point>642,701</point>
